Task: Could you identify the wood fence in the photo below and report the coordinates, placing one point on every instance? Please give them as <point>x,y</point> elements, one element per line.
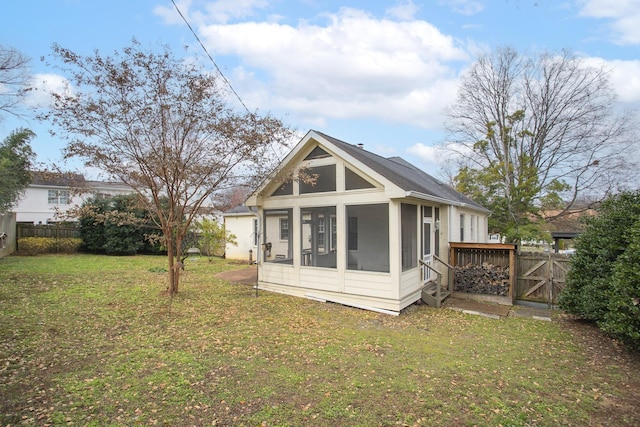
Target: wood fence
<point>56,231</point>
<point>541,277</point>
<point>534,276</point>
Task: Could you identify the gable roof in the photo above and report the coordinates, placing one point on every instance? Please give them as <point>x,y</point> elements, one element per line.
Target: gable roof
<point>405,175</point>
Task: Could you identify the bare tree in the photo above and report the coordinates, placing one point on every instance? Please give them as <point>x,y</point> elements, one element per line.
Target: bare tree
<point>14,79</point>
<point>538,132</point>
<point>166,128</point>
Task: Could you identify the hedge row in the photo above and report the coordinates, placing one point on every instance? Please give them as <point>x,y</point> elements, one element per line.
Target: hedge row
<point>41,245</point>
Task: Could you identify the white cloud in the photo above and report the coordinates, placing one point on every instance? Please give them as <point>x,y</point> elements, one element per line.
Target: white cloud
<point>404,11</point>
<point>169,13</point>
<point>354,65</point>
<point>41,87</point>
<point>223,11</point>
<point>624,77</point>
<point>464,7</point>
<point>220,11</point>
<point>439,154</point>
<point>624,16</point>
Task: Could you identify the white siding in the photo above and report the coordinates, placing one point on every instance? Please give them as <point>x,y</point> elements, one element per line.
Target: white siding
<point>242,227</point>
<point>33,206</point>
<point>369,284</point>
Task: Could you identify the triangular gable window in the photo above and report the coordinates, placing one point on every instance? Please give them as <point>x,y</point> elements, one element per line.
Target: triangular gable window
<point>353,181</point>
<point>286,189</point>
<point>317,153</point>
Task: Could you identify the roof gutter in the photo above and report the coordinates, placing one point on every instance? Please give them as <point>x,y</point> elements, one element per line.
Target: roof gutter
<point>419,195</point>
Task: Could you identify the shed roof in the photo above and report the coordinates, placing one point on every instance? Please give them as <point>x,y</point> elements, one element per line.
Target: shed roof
<point>237,210</point>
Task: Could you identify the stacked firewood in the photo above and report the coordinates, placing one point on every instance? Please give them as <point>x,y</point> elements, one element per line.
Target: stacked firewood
<point>485,279</point>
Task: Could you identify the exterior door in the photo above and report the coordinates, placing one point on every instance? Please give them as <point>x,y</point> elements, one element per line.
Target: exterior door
<point>427,240</point>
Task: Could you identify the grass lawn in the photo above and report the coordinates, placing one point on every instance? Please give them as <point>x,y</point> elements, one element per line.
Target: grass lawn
<point>92,340</point>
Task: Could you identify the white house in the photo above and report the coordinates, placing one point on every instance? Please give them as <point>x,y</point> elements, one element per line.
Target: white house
<point>242,223</point>
<point>369,232</point>
<point>50,196</point>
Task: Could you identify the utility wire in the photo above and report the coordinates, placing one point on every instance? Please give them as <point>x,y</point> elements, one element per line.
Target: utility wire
<point>210,57</point>
<point>278,156</point>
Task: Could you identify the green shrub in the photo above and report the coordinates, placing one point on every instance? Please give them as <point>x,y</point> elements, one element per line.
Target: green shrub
<point>116,226</point>
<point>602,284</point>
<point>35,245</point>
<point>623,317</point>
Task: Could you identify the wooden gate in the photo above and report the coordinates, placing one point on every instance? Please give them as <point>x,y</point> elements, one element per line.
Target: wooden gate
<point>541,277</point>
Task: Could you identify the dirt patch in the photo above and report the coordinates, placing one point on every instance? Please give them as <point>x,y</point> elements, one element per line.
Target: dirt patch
<point>247,276</point>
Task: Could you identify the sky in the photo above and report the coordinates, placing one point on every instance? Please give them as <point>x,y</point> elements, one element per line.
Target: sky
<point>378,72</point>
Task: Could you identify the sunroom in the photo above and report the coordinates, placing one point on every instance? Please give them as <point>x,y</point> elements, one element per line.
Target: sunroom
<point>359,231</point>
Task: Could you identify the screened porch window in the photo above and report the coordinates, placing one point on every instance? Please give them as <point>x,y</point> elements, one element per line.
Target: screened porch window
<point>325,179</point>
<point>409,234</point>
<point>353,181</point>
<point>286,189</point>
<point>318,237</point>
<point>277,245</point>
<point>368,237</point>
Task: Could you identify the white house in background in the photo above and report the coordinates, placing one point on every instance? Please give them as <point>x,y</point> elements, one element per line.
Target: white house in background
<point>49,195</point>
<point>370,232</point>
<point>242,223</point>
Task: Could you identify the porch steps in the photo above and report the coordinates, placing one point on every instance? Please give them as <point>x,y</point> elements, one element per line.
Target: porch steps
<point>430,294</point>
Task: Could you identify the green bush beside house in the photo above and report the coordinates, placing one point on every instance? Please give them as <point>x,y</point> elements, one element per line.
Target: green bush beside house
<point>603,282</point>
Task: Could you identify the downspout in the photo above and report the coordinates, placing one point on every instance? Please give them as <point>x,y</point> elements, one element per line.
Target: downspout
<point>450,223</point>
<point>258,251</point>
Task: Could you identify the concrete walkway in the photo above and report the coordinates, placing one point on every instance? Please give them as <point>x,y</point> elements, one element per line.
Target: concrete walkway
<point>496,311</point>
<point>249,275</point>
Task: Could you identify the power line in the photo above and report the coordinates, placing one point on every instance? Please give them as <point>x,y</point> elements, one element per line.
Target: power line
<point>278,156</point>
<point>210,57</point>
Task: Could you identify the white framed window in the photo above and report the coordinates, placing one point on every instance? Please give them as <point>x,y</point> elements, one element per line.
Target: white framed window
<point>334,232</point>
<point>59,197</point>
<point>462,227</point>
<point>284,229</point>
<point>473,228</point>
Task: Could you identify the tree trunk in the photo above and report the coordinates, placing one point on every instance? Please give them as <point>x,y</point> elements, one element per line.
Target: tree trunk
<point>174,268</point>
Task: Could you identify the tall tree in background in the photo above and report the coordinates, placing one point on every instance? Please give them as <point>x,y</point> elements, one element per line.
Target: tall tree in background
<point>14,79</point>
<point>165,127</point>
<point>536,134</point>
<point>16,158</point>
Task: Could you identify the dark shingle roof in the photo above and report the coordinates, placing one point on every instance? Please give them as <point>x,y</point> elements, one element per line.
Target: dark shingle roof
<point>57,179</point>
<point>240,209</point>
<point>404,174</point>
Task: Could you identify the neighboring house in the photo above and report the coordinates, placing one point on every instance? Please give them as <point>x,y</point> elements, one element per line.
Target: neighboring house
<point>359,234</point>
<point>242,223</point>
<point>50,196</point>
